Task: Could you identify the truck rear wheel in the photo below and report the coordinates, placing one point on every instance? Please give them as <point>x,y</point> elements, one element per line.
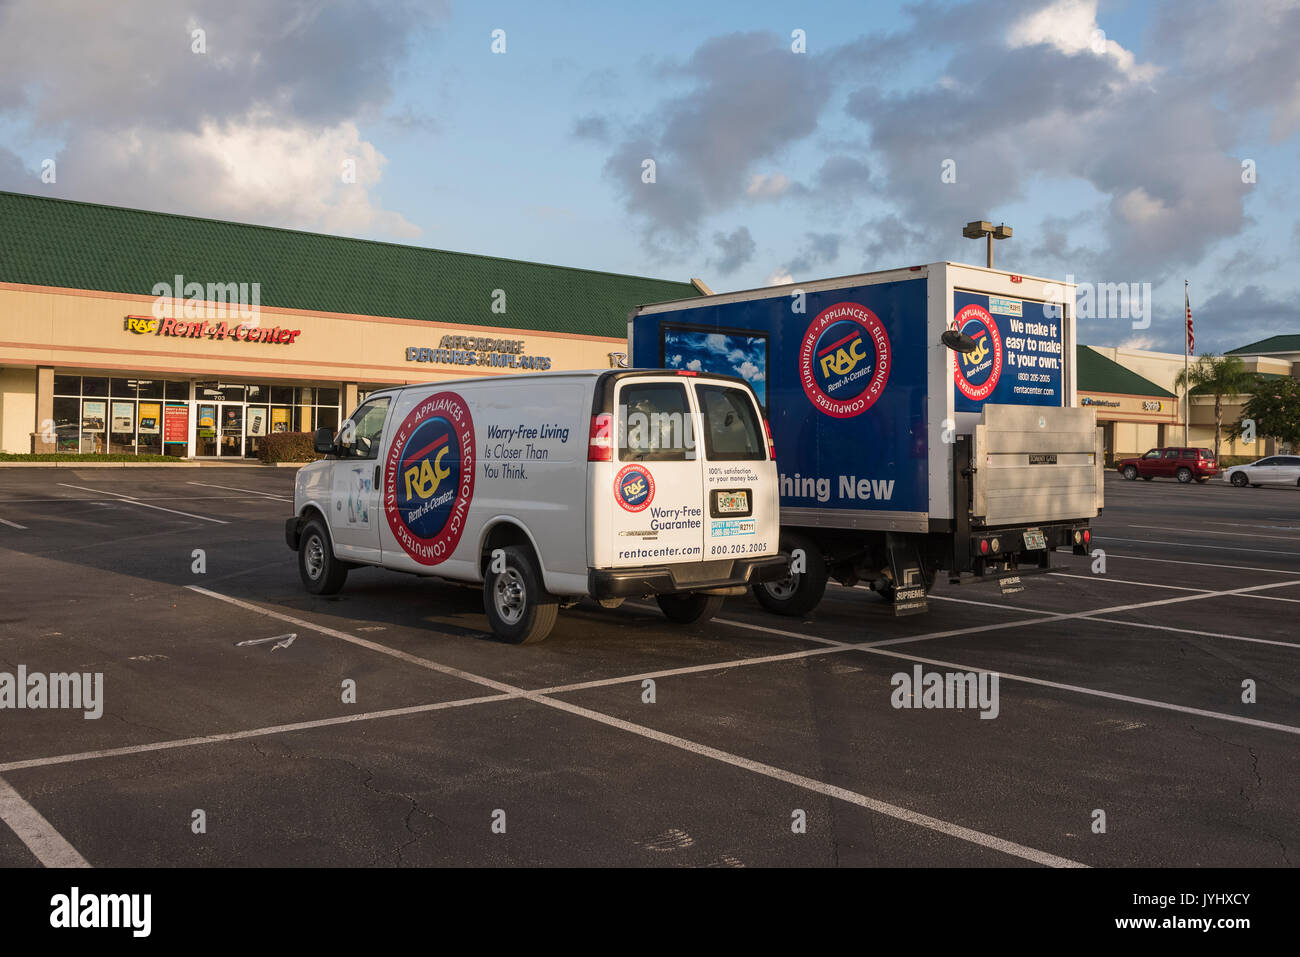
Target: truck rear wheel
<point>690,608</point>
<point>799,592</point>
<point>321,572</point>
<point>519,609</point>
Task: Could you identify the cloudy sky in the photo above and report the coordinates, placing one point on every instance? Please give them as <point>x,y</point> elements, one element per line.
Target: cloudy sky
<point>1125,142</point>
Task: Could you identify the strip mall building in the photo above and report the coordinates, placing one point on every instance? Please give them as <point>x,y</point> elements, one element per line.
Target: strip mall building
<point>124,331</point>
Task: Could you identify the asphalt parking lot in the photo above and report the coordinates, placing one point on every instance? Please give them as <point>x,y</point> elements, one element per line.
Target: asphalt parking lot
<point>1119,692</point>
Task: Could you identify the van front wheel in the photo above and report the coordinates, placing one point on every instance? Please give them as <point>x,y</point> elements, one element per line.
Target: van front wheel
<point>321,572</point>
<point>519,609</point>
<point>690,608</point>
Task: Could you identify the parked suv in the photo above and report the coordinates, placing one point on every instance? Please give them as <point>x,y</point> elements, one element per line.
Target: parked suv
<point>1176,463</point>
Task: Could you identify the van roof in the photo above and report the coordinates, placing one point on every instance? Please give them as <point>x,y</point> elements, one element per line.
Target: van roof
<point>567,374</point>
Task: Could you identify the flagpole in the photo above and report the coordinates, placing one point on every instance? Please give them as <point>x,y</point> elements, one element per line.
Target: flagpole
<point>1187,346</point>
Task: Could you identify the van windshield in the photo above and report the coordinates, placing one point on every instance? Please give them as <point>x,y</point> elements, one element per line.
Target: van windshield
<point>731,430</point>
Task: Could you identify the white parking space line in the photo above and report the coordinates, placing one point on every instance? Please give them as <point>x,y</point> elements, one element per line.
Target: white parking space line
<point>5,521</point>
<point>1193,631</point>
<point>1095,692</point>
<point>1123,556</point>
<point>1202,545</point>
<point>135,501</point>
<point>241,735</point>
<point>47,844</point>
<point>250,491</point>
<point>1206,531</point>
<point>1271,528</point>
<point>1124,581</point>
<point>757,767</point>
<point>980,838</point>
<point>1077,615</point>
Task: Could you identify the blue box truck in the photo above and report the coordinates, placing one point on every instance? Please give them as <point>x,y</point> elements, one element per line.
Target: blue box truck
<point>924,422</point>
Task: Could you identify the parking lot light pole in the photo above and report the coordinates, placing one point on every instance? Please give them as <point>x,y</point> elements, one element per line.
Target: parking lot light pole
<point>983,228</point>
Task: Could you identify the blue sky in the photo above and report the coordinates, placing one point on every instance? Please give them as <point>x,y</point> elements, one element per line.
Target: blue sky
<point>1111,136</point>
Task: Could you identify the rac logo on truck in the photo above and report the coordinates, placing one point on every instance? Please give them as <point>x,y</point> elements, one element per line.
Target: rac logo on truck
<point>844,360</point>
<point>634,488</point>
<point>977,373</point>
<point>429,478</point>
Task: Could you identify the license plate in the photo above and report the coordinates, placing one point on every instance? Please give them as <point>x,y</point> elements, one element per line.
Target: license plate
<point>1034,539</point>
<point>732,503</point>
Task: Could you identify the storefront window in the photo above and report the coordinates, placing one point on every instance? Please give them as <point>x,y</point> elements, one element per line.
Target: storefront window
<point>67,421</point>
<point>125,415</point>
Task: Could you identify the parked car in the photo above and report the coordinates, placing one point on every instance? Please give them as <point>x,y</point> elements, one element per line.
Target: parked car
<point>547,488</point>
<point>1272,470</point>
<point>1184,464</point>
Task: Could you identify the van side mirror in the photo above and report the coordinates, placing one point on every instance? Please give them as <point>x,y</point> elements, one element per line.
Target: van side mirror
<point>323,441</point>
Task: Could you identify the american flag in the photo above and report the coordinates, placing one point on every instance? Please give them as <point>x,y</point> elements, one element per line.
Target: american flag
<point>1191,333</point>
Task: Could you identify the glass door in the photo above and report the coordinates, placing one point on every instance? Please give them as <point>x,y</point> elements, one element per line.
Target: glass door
<point>230,430</point>
<point>205,429</point>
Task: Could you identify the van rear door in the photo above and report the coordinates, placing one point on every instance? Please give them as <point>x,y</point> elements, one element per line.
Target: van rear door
<point>655,507</point>
<point>742,517</point>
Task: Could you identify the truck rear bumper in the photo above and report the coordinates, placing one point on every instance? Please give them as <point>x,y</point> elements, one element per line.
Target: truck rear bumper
<point>685,577</point>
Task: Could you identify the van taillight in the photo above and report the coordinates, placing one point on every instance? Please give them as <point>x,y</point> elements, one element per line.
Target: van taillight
<point>771,446</point>
<point>600,445</point>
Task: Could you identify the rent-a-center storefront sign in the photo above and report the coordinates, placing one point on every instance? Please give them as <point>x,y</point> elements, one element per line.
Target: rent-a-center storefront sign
<point>479,351</point>
<point>212,330</point>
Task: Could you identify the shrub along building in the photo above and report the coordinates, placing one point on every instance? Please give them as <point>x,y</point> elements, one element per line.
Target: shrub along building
<point>127,331</point>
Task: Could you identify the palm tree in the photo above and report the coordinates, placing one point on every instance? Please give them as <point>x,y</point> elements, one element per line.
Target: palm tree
<point>1224,377</point>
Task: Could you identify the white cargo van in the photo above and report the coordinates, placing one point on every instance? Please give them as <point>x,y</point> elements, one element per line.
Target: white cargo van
<point>547,488</point>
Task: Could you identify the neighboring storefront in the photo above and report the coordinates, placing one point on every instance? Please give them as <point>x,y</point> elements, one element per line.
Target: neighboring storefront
<point>1134,413</point>
<point>125,331</point>
<point>1153,378</point>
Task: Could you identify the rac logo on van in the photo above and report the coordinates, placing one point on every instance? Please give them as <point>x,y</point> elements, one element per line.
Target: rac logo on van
<point>977,373</point>
<point>634,488</point>
<point>844,360</point>
<point>429,478</point>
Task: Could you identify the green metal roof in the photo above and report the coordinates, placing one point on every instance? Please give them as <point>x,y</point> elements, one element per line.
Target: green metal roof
<point>58,242</point>
<point>1100,374</point>
<point>1271,344</point>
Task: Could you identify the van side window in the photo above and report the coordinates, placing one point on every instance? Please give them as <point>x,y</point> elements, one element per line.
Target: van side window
<point>359,437</point>
<point>1171,453</point>
<point>654,423</point>
<point>731,432</point>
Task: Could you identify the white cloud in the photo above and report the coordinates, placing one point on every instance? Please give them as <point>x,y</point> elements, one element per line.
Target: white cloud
<point>750,372</point>
<point>1140,207</point>
<point>1071,27</point>
<point>767,187</point>
<point>779,277</point>
<point>694,365</point>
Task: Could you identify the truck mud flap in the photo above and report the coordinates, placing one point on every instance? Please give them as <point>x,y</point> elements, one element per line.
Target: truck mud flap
<point>910,593</point>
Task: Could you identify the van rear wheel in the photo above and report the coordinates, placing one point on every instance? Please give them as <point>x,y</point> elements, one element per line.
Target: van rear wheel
<point>798,592</point>
<point>519,609</point>
<point>689,608</point>
<point>321,572</point>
